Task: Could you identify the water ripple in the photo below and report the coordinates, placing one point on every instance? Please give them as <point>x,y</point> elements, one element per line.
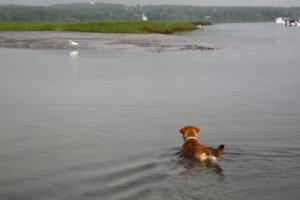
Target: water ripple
<point>164,174</point>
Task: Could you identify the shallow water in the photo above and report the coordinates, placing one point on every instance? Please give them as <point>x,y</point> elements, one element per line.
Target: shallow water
<point>103,123</point>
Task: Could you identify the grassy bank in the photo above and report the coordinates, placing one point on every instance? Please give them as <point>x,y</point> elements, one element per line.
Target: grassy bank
<point>165,27</point>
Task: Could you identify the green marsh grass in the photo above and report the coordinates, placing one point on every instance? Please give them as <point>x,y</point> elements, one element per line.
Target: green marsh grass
<point>167,27</point>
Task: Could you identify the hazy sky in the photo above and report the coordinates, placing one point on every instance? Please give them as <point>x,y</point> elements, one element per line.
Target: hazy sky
<point>286,3</point>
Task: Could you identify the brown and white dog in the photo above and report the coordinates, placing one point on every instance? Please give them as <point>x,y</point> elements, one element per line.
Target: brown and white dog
<point>192,148</point>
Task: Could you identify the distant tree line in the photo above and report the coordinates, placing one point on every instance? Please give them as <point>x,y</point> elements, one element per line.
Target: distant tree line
<point>106,12</point>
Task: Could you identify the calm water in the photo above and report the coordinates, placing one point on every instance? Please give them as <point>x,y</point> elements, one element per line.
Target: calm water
<point>104,124</point>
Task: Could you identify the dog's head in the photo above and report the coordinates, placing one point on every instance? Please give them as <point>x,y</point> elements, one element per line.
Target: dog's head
<point>189,131</point>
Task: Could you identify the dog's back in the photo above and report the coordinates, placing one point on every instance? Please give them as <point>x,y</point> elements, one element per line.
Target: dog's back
<point>194,149</point>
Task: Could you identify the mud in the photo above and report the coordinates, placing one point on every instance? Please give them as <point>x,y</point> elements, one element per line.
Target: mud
<point>60,40</point>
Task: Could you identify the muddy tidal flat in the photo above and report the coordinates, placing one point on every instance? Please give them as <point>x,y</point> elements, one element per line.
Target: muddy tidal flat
<point>110,41</point>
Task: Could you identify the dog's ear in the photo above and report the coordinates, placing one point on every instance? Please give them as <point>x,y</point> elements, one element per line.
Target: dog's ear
<point>182,130</point>
<point>197,129</point>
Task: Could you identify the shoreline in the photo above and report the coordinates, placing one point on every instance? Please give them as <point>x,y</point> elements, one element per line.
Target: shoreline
<point>241,21</point>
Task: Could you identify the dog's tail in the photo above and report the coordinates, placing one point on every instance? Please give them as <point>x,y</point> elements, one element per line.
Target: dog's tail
<point>219,151</point>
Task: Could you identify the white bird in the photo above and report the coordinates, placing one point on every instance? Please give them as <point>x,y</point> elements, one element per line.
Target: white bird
<point>73,44</point>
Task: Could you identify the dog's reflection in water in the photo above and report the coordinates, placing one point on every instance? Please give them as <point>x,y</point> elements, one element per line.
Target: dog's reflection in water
<point>207,166</point>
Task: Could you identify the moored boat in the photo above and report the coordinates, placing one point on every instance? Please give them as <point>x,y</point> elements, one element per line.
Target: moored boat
<point>280,20</point>
<point>287,22</point>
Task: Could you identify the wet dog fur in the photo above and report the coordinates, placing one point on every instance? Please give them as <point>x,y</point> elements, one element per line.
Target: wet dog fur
<point>193,149</point>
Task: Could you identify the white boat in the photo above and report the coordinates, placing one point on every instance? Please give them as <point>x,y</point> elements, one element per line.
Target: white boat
<point>293,22</point>
<point>287,22</point>
<point>280,20</point>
